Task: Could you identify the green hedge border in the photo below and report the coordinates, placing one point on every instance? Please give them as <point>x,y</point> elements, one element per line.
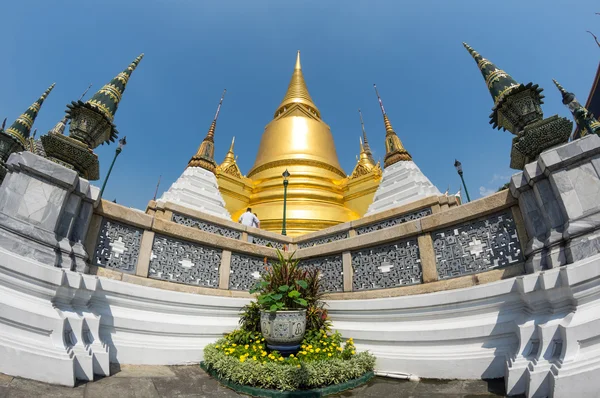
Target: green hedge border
<point>314,393</point>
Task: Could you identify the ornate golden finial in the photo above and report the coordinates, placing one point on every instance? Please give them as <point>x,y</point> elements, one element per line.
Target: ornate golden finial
<point>205,156</point>
<point>297,94</point>
<point>211,131</point>
<point>229,164</point>
<point>394,150</point>
<point>365,142</point>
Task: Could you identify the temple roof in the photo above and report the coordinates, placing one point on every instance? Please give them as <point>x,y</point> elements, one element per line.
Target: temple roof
<point>297,93</point>
<point>21,128</point>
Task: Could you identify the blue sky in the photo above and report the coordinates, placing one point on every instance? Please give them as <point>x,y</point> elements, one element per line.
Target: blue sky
<point>431,88</point>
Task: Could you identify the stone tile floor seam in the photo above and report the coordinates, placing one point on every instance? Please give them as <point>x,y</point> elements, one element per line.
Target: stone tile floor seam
<point>129,381</point>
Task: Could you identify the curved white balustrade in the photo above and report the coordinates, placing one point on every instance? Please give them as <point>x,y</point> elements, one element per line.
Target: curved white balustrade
<point>540,331</point>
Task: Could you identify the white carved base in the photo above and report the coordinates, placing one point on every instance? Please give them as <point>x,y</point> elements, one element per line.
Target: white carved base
<point>197,189</point>
<point>402,183</point>
<point>541,332</point>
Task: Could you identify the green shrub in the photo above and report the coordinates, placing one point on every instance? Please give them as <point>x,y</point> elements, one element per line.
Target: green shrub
<point>250,364</point>
<point>250,317</point>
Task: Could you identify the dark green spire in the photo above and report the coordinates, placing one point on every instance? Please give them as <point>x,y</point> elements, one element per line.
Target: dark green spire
<point>107,99</point>
<point>586,122</point>
<point>498,82</point>
<point>21,128</point>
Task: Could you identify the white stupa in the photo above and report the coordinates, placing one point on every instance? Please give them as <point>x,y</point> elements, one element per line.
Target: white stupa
<point>197,187</point>
<point>402,181</point>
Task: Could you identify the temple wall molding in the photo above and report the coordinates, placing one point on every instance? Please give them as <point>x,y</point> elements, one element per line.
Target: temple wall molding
<point>513,276</point>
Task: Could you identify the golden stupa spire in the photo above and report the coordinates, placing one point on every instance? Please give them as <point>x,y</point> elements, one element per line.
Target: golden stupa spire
<point>297,93</point>
<point>394,150</point>
<point>205,156</point>
<point>230,156</point>
<point>364,142</point>
<point>229,164</point>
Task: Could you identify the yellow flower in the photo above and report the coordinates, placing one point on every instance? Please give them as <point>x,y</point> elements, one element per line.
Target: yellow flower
<point>234,345</point>
<point>218,346</point>
<point>254,357</point>
<point>292,355</point>
<point>298,366</point>
<point>318,350</point>
<point>263,353</point>
<point>329,354</point>
<point>262,339</point>
<point>226,353</point>
<point>353,352</point>
<point>340,349</point>
<point>242,358</point>
<point>309,346</point>
<point>246,346</point>
<point>311,350</point>
<point>281,358</point>
<point>303,346</point>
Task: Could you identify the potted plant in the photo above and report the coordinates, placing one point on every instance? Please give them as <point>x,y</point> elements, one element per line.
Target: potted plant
<point>282,297</point>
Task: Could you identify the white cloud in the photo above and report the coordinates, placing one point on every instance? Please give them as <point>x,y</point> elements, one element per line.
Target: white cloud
<point>498,177</point>
<point>483,191</point>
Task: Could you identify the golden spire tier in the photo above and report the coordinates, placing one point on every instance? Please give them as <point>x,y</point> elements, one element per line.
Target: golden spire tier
<point>229,164</point>
<point>205,156</point>
<point>394,150</point>
<point>297,139</point>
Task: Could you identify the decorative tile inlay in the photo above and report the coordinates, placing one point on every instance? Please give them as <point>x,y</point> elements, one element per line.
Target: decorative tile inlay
<point>205,226</point>
<point>245,271</point>
<point>390,222</point>
<point>477,246</point>
<point>118,246</point>
<point>275,244</point>
<point>323,240</point>
<point>332,271</point>
<point>391,265</point>
<point>180,261</point>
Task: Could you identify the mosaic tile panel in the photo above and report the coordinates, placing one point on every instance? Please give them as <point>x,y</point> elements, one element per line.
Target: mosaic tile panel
<point>180,261</point>
<point>477,246</point>
<point>332,271</point>
<point>245,271</point>
<point>324,240</point>
<point>391,265</point>
<point>390,222</point>
<point>118,246</point>
<point>259,240</point>
<point>205,226</point>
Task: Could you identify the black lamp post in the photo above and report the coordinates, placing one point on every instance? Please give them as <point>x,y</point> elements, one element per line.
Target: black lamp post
<point>122,143</point>
<point>286,175</point>
<point>459,170</point>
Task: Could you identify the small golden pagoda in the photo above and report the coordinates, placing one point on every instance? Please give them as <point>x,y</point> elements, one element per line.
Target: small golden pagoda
<point>320,194</point>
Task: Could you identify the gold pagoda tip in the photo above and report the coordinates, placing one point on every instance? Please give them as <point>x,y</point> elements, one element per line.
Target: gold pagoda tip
<point>298,66</point>
<point>232,142</point>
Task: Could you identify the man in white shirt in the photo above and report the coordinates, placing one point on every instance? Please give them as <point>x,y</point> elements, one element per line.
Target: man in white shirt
<point>248,219</point>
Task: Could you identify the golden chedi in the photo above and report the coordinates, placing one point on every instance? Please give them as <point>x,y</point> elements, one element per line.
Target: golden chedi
<point>299,141</point>
<point>319,194</point>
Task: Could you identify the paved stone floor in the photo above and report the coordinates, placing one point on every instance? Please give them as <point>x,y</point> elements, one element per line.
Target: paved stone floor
<point>191,381</point>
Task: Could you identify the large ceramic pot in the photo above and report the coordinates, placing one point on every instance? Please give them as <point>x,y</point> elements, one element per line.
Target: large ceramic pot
<point>283,330</point>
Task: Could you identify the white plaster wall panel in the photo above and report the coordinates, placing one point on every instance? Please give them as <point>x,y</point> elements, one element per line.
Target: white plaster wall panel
<point>482,331</point>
